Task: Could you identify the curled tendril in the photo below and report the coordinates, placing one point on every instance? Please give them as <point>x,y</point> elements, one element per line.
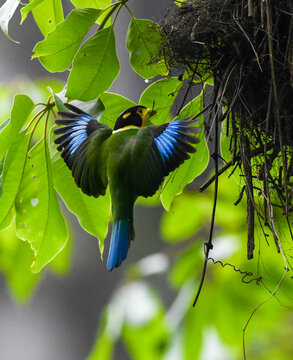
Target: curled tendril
<point>244,273</point>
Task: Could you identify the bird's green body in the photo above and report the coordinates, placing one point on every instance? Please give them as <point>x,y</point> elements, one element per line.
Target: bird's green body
<point>132,160</point>
<point>120,162</point>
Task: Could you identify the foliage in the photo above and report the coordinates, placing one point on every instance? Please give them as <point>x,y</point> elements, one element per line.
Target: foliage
<point>35,233</point>
<point>233,288</point>
<point>33,172</point>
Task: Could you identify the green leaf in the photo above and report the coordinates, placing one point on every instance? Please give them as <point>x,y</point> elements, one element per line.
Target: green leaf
<point>92,213</point>
<point>8,219</point>
<point>15,259</point>
<point>186,266</point>
<point>193,331</point>
<point>95,67</point>
<point>226,142</point>
<point>57,50</point>
<point>144,39</point>
<point>104,344</point>
<point>189,213</point>
<point>193,167</point>
<point>95,108</point>
<point>28,8</point>
<point>148,341</point>
<point>47,15</point>
<point>7,10</point>
<point>96,4</point>
<point>59,101</point>
<point>162,94</point>
<point>13,172</point>
<point>114,105</point>
<point>38,217</point>
<point>180,2</point>
<point>22,107</point>
<point>61,264</point>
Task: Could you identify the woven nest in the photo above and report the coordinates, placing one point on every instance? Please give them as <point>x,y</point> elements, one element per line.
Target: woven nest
<point>247,47</point>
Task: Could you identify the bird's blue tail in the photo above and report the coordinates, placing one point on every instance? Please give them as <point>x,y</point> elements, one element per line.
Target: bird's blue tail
<point>122,233</point>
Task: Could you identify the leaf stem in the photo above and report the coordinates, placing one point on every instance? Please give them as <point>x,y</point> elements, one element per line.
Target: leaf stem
<point>130,12</point>
<point>113,8</point>
<point>40,113</point>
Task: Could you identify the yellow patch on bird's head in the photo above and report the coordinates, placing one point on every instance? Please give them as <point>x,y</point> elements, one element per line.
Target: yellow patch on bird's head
<point>125,116</point>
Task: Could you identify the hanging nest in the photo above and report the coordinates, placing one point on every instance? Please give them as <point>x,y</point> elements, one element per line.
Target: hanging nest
<point>247,47</point>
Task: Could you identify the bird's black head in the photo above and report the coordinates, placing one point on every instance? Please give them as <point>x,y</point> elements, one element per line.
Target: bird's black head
<point>134,117</point>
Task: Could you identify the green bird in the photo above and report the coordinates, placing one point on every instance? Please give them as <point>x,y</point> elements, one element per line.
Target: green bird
<point>132,159</point>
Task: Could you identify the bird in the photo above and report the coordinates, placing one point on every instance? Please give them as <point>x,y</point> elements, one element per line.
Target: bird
<point>132,159</point>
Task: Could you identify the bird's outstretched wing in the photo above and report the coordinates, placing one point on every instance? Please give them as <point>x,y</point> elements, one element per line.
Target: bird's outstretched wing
<point>168,147</point>
<point>80,141</point>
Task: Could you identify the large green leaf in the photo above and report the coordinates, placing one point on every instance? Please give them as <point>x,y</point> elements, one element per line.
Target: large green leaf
<point>57,50</point>
<point>105,341</point>
<point>95,108</point>
<point>148,341</point>
<point>95,67</point>
<point>189,213</point>
<point>114,105</point>
<point>92,213</point>
<point>13,172</point>
<point>48,14</point>
<point>226,142</point>
<point>6,12</point>
<point>96,4</point>
<point>38,217</point>
<point>22,107</point>
<point>144,39</point>
<point>187,264</point>
<point>15,259</point>
<point>61,264</point>
<point>193,167</point>
<point>6,100</point>
<point>162,94</point>
<point>28,8</point>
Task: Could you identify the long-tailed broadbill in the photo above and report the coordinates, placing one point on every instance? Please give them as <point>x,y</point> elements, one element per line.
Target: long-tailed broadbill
<point>132,159</point>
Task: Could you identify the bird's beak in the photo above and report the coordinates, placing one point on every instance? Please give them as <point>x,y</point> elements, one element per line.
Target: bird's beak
<point>151,113</point>
<point>147,114</point>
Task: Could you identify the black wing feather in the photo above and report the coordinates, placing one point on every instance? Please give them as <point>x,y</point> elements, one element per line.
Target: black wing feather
<point>77,129</point>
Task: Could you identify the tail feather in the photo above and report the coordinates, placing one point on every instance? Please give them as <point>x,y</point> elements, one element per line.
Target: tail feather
<point>122,233</point>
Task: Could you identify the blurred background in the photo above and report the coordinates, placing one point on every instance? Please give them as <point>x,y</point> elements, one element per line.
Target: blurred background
<point>144,307</point>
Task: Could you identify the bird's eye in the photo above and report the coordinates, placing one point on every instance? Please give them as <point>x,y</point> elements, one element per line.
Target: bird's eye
<point>139,110</point>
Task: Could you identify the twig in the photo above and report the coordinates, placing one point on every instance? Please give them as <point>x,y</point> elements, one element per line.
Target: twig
<point>209,244</point>
<point>237,157</point>
<point>240,196</point>
<point>276,97</point>
<point>246,161</point>
<point>250,42</point>
<point>186,93</point>
<point>258,306</point>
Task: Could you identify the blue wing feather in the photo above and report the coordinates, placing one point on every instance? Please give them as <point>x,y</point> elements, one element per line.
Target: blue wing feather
<point>166,147</point>
<point>174,143</point>
<point>77,128</point>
